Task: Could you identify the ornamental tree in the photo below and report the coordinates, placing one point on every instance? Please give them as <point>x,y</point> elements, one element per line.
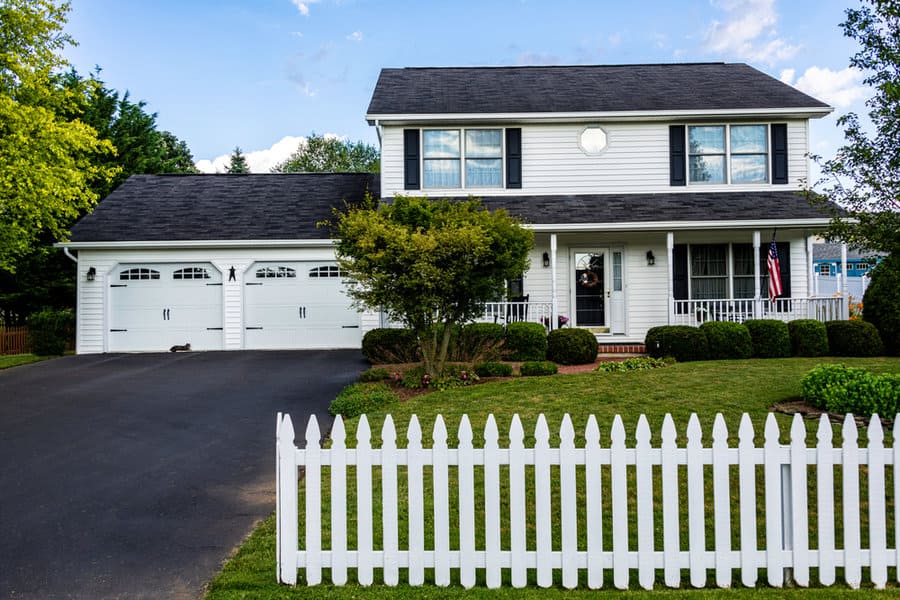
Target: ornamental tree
<point>320,154</point>
<point>430,264</point>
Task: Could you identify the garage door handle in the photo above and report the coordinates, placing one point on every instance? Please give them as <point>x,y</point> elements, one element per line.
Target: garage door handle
<point>254,328</point>
<point>349,326</point>
<point>302,312</point>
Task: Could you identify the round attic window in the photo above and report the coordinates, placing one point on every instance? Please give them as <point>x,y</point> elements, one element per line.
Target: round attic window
<point>592,140</point>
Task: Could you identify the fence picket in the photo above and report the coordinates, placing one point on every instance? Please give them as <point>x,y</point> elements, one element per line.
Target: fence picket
<point>825,500</point>
<point>852,542</point>
<point>313,480</point>
<point>568,500</point>
<point>671,531</point>
<point>594,494</point>
<point>696,502</point>
<point>619,485</point>
<point>542,517</point>
<point>517,502</point>
<point>440,460</point>
<point>389,502</point>
<point>338,502</point>
<point>416,506</point>
<point>364,557</point>
<point>877,522</point>
<point>799,502</point>
<point>492,504</point>
<point>896,477</point>
<point>721,502</point>
<point>644,482</point>
<point>466,477</point>
<point>747,476</point>
<point>287,495</point>
<point>772,476</point>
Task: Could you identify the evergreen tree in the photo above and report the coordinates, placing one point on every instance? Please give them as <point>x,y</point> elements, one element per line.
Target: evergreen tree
<point>238,163</point>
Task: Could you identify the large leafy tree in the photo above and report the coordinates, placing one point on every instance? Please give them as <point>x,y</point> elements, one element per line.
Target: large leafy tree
<point>864,176</point>
<point>430,264</point>
<point>238,162</point>
<point>320,154</point>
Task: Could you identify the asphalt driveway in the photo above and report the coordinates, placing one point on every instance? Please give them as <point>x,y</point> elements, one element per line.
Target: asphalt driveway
<point>134,476</point>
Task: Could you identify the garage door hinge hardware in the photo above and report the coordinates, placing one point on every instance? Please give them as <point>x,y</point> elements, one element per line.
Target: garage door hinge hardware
<point>214,329</point>
<point>214,284</point>
<point>349,326</point>
<point>118,285</point>
<point>118,330</point>
<point>253,283</point>
<point>254,328</point>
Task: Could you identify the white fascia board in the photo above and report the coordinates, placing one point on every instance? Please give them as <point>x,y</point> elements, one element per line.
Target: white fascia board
<point>678,225</point>
<point>323,243</point>
<point>624,115</point>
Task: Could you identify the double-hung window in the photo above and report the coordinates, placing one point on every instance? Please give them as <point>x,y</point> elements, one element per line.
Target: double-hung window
<point>709,271</point>
<point>454,158</point>
<point>728,154</point>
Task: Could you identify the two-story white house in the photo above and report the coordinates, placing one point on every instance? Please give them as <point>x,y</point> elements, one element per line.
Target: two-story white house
<point>654,192</point>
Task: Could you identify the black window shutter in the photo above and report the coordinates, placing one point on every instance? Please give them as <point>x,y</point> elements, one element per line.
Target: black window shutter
<point>680,272</point>
<point>677,174</point>
<point>514,158</point>
<point>410,159</point>
<point>779,153</point>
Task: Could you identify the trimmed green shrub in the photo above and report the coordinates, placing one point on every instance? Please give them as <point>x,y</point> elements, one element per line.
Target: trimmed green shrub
<point>49,331</point>
<point>374,374</point>
<point>359,398</point>
<point>841,389</point>
<point>770,338</point>
<point>386,345</point>
<point>808,337</point>
<point>493,369</point>
<point>725,339</point>
<point>572,346</point>
<point>853,338</point>
<point>640,363</point>
<point>681,342</point>
<point>526,341</point>
<point>415,378</point>
<point>480,342</point>
<point>881,304</point>
<point>537,368</point>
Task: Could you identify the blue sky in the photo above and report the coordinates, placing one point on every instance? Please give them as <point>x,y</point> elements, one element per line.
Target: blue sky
<point>262,74</point>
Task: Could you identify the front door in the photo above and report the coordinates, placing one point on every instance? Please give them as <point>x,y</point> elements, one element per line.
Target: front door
<point>591,285</point>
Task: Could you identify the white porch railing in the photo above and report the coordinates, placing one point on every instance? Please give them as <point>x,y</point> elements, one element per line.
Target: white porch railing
<point>695,312</point>
<point>510,312</point>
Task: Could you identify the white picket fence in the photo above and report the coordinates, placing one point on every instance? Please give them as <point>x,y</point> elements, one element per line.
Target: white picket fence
<point>780,495</point>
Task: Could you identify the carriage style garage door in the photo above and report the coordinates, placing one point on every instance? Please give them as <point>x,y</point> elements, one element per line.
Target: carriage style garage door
<point>298,305</point>
<point>156,306</point>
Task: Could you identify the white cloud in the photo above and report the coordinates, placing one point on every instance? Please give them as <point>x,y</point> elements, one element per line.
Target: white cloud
<point>303,6</point>
<point>838,88</point>
<point>356,36</point>
<point>748,32</point>
<point>261,161</point>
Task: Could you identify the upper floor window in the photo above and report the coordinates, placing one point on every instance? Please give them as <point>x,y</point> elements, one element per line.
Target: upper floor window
<point>454,158</point>
<point>728,154</point>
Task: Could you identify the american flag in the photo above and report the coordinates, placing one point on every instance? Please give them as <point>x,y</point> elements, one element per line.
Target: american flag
<point>774,267</point>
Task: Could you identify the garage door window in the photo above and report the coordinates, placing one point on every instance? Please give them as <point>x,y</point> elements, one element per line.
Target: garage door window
<point>329,271</point>
<point>138,273</point>
<point>191,273</point>
<point>275,272</point>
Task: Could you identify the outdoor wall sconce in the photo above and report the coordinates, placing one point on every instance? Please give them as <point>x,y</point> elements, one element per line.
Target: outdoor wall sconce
<point>546,260</point>
<point>91,274</point>
<point>651,260</point>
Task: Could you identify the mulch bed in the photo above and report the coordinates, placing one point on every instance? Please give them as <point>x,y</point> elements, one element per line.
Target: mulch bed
<point>812,413</point>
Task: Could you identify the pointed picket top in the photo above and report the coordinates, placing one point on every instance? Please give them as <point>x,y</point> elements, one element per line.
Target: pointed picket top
<point>312,433</point>
<point>772,432</point>
<point>642,433</point>
<point>694,431</point>
<point>286,431</point>
<point>720,430</point>
<point>439,435</point>
<point>745,431</point>
<point>465,432</point>
<point>669,433</point>
<point>363,432</point>
<point>414,433</point>
<point>592,431</point>
<point>389,433</point>
<point>848,431</point>
<point>617,433</point>
<point>338,434</point>
<point>824,434</point>
<point>541,431</point>
<point>566,432</point>
<point>516,432</point>
<point>798,429</point>
<point>876,433</point>
<point>491,434</point>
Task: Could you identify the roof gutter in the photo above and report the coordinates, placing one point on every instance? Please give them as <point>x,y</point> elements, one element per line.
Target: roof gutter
<point>163,244</point>
<point>67,253</point>
<point>678,225</point>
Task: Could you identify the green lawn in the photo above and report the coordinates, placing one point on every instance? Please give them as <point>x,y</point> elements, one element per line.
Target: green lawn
<point>14,360</point>
<point>729,387</point>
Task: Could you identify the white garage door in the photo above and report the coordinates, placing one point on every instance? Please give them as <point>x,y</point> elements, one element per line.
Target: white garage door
<point>298,305</point>
<point>156,306</point>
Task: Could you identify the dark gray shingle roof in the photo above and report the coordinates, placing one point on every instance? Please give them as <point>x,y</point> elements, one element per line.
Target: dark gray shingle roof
<point>222,207</point>
<point>832,251</point>
<point>600,88</point>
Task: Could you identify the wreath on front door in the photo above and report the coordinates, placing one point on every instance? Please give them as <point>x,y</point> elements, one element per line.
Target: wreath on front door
<point>588,279</point>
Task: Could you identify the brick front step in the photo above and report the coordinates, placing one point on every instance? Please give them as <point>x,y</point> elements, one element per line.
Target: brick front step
<point>632,349</point>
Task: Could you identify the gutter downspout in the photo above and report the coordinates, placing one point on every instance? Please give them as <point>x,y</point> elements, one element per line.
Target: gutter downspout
<point>69,254</point>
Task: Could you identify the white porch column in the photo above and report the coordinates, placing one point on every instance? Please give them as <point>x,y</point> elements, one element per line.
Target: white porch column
<point>845,293</point>
<point>670,249</point>
<point>811,290</point>
<point>554,309</point>
<point>757,299</point>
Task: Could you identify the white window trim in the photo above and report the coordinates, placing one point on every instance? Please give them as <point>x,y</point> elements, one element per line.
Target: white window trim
<point>727,126</point>
<point>462,158</point>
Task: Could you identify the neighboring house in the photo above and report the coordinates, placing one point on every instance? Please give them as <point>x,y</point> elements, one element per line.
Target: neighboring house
<point>827,260</point>
<point>653,191</point>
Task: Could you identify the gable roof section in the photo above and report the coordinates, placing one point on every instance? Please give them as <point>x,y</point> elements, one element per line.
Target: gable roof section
<point>222,207</point>
<point>583,89</point>
<point>832,251</point>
